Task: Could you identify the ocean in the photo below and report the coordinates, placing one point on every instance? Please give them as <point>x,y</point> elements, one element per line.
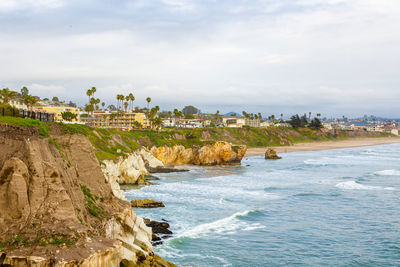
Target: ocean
<point>317,208</point>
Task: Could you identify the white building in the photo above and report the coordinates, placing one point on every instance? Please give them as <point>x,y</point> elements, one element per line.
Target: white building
<point>234,122</point>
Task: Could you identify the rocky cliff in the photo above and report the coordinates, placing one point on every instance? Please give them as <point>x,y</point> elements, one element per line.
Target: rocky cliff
<point>220,153</point>
<point>129,170</point>
<point>57,207</point>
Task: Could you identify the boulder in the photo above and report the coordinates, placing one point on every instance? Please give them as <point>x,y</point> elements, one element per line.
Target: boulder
<point>219,153</point>
<point>271,154</point>
<point>146,203</point>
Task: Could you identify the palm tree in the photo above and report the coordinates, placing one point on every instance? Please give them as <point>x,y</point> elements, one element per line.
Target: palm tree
<point>148,102</point>
<point>126,104</point>
<point>273,118</point>
<point>89,93</point>
<point>281,116</point>
<point>29,101</point>
<point>7,95</point>
<point>169,114</point>
<point>103,104</point>
<point>309,115</point>
<point>131,98</point>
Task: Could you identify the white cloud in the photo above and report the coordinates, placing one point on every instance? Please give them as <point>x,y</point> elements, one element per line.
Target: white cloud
<point>12,5</point>
<point>208,52</point>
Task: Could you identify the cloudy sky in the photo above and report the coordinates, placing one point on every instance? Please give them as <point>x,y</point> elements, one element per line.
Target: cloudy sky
<point>335,57</point>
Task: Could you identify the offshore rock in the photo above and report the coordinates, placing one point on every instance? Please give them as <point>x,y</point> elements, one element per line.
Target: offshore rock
<point>146,203</point>
<point>271,154</point>
<point>58,209</point>
<point>220,153</point>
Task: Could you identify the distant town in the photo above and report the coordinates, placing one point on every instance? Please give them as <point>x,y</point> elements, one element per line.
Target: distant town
<point>126,117</point>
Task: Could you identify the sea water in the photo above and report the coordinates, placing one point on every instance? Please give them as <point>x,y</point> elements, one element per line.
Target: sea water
<point>318,208</point>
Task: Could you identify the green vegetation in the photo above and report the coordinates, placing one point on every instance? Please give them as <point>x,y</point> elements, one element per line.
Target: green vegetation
<point>43,127</point>
<point>91,203</point>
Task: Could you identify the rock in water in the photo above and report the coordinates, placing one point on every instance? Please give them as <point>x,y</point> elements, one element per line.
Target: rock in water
<point>271,154</point>
<point>220,153</point>
<point>146,203</point>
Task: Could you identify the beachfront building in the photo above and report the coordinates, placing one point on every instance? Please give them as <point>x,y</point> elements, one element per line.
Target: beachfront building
<point>122,121</point>
<point>168,122</point>
<point>234,122</point>
<point>58,110</point>
<point>189,123</point>
<point>252,122</point>
<point>266,124</point>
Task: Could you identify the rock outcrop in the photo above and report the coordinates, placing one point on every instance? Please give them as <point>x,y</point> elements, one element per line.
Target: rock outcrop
<point>271,154</point>
<point>220,153</point>
<point>58,209</point>
<point>146,203</point>
<point>131,169</point>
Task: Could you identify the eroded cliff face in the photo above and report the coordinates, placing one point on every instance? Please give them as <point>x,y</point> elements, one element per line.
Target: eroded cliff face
<point>129,170</point>
<point>57,207</point>
<point>220,153</point>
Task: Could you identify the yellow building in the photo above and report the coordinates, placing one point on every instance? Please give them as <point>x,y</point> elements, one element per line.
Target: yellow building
<point>123,121</point>
<point>58,110</point>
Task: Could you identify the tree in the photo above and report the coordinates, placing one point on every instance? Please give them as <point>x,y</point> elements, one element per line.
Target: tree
<point>309,115</point>
<point>189,116</point>
<point>273,118</point>
<point>297,122</point>
<point>189,110</point>
<point>131,98</point>
<point>148,102</point>
<point>103,105</point>
<point>68,116</point>
<point>29,101</point>
<point>112,107</point>
<point>72,104</point>
<point>24,91</point>
<point>7,95</point>
<point>157,122</point>
<point>137,124</point>
<point>315,124</point>
<point>126,104</point>
<point>281,117</point>
<point>55,99</point>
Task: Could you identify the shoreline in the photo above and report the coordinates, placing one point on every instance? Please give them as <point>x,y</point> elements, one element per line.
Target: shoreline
<point>326,145</point>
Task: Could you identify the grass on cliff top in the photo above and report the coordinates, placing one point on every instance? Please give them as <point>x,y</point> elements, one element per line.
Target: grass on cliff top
<point>43,127</point>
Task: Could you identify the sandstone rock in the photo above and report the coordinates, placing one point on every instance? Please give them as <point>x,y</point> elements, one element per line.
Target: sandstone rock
<point>146,203</point>
<point>59,196</point>
<point>220,153</point>
<point>130,170</point>
<point>271,154</point>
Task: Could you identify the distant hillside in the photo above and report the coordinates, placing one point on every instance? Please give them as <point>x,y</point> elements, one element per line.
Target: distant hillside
<point>110,144</point>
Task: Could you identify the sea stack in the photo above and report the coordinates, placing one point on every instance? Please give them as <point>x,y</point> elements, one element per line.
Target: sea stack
<point>271,154</point>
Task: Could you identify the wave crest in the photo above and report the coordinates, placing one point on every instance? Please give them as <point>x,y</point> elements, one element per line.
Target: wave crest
<point>226,225</point>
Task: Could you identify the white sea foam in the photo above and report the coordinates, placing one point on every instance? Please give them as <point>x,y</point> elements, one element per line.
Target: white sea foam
<point>388,173</point>
<point>353,185</point>
<point>226,225</point>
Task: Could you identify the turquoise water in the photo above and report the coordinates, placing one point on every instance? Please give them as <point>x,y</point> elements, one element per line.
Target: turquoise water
<point>323,208</point>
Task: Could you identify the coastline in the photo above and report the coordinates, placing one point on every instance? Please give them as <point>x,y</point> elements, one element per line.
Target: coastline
<point>326,145</point>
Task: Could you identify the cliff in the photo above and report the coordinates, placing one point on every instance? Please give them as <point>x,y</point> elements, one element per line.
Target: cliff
<point>57,207</point>
<point>220,153</point>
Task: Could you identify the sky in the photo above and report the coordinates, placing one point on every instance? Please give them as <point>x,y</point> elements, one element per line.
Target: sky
<point>334,57</point>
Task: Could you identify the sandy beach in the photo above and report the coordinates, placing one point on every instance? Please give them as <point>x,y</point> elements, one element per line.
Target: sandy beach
<point>314,146</point>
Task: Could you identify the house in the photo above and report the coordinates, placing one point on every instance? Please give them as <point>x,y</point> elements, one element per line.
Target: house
<point>189,123</point>
<point>168,122</point>
<point>234,122</point>
<point>266,124</point>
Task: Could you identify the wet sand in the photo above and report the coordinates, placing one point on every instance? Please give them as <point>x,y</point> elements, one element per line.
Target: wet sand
<point>314,146</point>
